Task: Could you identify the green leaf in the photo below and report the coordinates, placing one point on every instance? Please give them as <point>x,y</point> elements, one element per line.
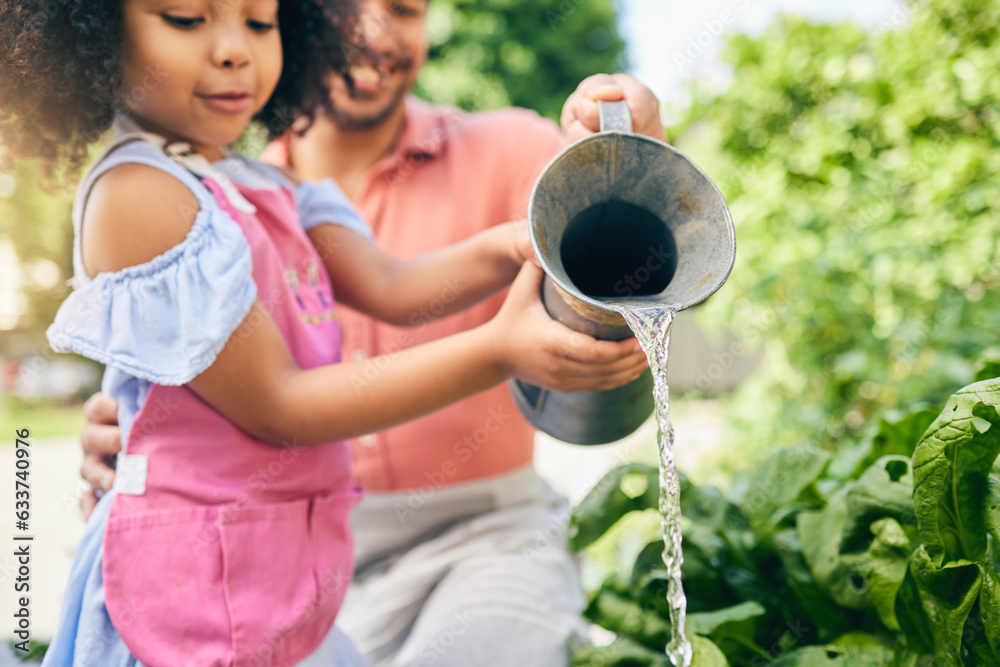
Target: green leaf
<point>884,567</point>
<point>899,435</point>
<point>987,624</point>
<point>945,596</point>
<point>989,365</point>
<point>608,502</point>
<point>991,508</point>
<point>649,564</point>
<point>820,534</point>
<point>704,505</point>
<point>625,616</point>
<point>856,649</point>
<point>829,619</point>
<point>951,467</point>
<point>706,654</point>
<point>704,587</point>
<point>917,634</point>
<point>856,547</point>
<point>779,483</point>
<point>731,629</point>
<point>707,623</point>
<point>622,653</point>
<point>979,653</point>
<point>885,489</point>
<point>989,371</point>
<point>905,656</point>
<point>810,656</point>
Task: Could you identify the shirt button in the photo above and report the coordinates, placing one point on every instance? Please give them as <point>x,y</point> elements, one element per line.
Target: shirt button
<point>367,440</point>
<point>358,355</point>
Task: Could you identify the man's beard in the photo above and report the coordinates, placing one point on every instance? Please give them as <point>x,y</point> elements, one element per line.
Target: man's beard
<point>355,122</point>
<point>402,63</point>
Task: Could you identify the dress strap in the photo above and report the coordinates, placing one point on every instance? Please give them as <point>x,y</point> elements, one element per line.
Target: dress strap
<point>183,154</point>
<point>132,143</point>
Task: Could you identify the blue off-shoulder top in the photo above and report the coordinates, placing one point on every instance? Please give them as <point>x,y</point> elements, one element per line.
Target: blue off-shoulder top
<point>166,320</point>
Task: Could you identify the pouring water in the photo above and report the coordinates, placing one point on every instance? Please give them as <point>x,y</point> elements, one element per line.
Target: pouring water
<point>652,329</point>
<point>629,232</point>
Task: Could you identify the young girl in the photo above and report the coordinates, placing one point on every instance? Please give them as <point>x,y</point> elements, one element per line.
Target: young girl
<point>225,540</point>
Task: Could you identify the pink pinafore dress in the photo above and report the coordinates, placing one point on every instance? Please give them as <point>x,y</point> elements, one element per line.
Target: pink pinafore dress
<point>230,550</point>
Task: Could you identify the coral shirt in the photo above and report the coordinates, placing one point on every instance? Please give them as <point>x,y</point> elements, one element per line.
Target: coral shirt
<point>451,175</point>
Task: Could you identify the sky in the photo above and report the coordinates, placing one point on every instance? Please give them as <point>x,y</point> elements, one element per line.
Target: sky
<point>670,41</point>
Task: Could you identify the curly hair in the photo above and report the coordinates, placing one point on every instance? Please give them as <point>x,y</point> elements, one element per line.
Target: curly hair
<point>61,72</point>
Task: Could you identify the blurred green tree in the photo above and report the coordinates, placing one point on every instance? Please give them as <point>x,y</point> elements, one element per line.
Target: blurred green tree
<point>491,53</point>
<point>863,172</point>
<point>36,224</point>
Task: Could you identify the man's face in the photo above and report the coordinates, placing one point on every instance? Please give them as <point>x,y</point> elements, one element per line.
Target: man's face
<point>388,50</point>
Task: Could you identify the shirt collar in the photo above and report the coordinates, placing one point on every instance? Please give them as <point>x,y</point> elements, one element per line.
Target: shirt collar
<point>427,129</point>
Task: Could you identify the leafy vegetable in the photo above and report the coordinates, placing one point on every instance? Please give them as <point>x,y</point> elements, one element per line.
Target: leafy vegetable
<point>951,468</point>
<point>892,564</point>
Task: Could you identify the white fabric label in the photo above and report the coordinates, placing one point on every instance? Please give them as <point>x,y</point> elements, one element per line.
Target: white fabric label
<point>130,474</point>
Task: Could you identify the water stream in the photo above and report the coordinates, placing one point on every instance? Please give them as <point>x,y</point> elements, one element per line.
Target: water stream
<point>652,329</point>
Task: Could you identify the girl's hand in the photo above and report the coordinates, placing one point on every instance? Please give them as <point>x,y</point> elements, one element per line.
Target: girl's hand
<point>581,118</point>
<point>537,349</point>
<point>522,250</point>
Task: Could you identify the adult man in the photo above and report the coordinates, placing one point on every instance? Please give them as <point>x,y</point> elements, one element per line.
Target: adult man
<point>460,550</point>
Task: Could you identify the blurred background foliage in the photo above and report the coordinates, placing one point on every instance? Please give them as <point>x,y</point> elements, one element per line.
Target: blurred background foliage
<point>35,224</point>
<point>486,54</point>
<point>862,171</point>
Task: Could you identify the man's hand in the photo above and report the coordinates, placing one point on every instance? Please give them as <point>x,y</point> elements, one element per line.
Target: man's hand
<point>580,116</point>
<point>101,438</point>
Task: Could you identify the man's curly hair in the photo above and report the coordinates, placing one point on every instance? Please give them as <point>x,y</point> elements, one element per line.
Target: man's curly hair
<point>61,72</point>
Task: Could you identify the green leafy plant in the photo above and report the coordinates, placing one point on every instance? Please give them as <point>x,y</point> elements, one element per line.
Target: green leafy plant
<point>884,554</point>
<point>861,168</point>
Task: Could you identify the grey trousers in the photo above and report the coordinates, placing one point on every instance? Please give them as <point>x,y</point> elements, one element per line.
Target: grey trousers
<point>470,575</point>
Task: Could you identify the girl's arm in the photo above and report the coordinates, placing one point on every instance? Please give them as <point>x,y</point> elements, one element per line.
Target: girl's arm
<point>374,282</point>
<point>136,213</point>
<point>257,385</point>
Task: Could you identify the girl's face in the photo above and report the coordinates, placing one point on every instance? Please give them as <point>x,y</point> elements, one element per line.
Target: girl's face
<point>198,70</point>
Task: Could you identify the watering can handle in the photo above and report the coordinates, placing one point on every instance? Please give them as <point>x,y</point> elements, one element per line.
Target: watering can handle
<point>615,116</point>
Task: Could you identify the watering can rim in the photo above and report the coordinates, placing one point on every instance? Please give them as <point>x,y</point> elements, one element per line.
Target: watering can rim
<point>621,306</point>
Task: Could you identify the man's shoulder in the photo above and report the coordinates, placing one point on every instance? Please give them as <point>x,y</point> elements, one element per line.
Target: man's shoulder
<point>520,122</point>
<point>517,136</point>
<point>482,129</point>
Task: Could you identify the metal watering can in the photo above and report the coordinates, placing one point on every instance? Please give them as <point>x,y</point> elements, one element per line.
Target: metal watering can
<point>620,221</point>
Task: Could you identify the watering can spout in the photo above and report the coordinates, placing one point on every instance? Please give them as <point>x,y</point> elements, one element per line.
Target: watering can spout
<point>620,222</point>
